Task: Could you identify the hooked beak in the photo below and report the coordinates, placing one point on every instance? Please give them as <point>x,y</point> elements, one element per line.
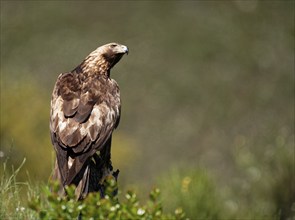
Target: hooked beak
<point>125,49</point>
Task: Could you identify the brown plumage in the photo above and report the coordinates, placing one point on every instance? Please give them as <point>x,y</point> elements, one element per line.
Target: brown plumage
<point>85,109</point>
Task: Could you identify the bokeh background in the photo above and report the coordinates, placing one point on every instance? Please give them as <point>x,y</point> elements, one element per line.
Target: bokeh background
<point>207,92</point>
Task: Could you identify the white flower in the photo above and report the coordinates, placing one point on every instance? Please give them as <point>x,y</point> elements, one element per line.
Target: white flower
<point>140,211</point>
<point>20,209</point>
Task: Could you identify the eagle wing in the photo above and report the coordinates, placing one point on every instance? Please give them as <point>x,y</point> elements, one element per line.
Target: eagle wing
<point>84,114</point>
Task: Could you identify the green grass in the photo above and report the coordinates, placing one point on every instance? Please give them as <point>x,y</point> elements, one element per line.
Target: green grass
<point>13,201</point>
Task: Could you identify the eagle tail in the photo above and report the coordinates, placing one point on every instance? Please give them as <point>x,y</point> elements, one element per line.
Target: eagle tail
<point>79,174</point>
<point>86,172</point>
<point>82,188</point>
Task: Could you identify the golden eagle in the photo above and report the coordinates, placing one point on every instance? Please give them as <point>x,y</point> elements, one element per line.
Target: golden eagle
<point>85,109</point>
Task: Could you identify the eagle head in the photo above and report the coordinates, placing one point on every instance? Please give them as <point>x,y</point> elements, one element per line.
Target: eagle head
<point>112,52</point>
<point>102,59</point>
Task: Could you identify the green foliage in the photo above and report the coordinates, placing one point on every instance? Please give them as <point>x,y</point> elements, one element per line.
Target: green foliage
<point>194,190</point>
<point>53,206</point>
<point>47,204</point>
<point>203,197</point>
<point>199,195</point>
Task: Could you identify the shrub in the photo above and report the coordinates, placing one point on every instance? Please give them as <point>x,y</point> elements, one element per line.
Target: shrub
<point>53,206</point>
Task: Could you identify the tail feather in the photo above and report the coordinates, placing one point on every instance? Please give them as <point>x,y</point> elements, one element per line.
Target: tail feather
<point>82,188</point>
<point>76,167</point>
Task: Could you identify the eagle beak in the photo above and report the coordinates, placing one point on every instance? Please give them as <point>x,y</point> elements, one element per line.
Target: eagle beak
<point>125,49</point>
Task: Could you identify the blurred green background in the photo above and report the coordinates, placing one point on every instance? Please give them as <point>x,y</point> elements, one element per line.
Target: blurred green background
<point>207,96</point>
